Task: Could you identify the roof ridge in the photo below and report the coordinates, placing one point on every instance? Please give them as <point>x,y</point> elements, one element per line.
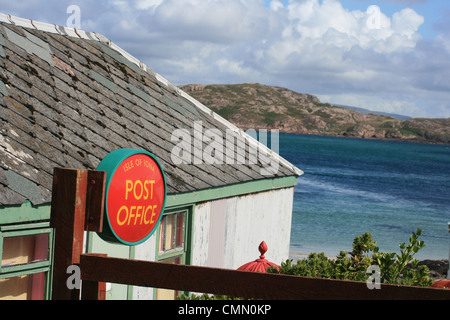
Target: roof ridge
<point>81,34</point>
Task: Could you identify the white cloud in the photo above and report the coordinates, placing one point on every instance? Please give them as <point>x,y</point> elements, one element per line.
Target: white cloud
<point>276,5</point>
<point>444,41</point>
<point>148,4</point>
<point>407,22</point>
<point>215,21</point>
<point>369,30</point>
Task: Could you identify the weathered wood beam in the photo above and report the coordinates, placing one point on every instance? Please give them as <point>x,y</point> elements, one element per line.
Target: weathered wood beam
<point>241,283</point>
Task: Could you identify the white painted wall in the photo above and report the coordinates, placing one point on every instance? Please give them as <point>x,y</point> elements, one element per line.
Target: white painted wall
<point>146,252</point>
<point>249,220</point>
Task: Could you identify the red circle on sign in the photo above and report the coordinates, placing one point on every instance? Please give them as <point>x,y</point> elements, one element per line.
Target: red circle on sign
<point>135,200</point>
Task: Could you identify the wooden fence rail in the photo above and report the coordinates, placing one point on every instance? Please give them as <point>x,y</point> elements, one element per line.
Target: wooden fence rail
<point>241,283</point>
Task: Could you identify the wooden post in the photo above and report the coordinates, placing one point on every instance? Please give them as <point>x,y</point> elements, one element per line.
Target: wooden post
<point>94,290</point>
<point>95,203</point>
<point>68,218</point>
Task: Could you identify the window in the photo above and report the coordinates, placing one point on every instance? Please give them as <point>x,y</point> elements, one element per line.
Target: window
<point>25,252</point>
<point>173,245</point>
<point>171,233</point>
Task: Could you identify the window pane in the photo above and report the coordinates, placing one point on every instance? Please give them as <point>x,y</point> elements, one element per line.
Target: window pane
<point>27,287</point>
<point>172,232</point>
<point>176,260</point>
<point>170,225</point>
<point>179,241</point>
<point>162,230</point>
<point>23,250</point>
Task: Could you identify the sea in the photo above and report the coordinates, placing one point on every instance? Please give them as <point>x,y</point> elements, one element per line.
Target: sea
<point>353,186</point>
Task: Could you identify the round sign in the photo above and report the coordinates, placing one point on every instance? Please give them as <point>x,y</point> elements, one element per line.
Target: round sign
<point>135,196</point>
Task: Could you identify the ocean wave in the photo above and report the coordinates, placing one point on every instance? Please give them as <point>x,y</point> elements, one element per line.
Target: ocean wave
<point>382,173</point>
<point>308,186</point>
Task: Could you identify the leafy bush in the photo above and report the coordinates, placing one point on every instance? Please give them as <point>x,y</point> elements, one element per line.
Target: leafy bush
<point>206,296</point>
<point>394,268</point>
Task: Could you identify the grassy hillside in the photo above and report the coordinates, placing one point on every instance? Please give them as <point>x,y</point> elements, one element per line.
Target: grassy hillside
<point>256,106</point>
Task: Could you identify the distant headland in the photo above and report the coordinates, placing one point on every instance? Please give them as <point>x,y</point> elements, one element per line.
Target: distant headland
<point>257,106</point>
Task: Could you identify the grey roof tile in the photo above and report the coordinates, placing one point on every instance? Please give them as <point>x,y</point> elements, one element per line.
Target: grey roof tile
<point>23,186</point>
<point>8,196</point>
<point>3,90</point>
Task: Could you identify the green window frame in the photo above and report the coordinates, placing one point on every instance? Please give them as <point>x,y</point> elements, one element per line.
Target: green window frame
<point>174,235</point>
<point>42,265</point>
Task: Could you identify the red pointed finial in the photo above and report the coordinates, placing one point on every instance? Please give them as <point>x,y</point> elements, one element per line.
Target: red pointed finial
<point>261,264</point>
<point>262,249</point>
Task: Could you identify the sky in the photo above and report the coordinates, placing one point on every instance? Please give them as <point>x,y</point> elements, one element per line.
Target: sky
<point>388,55</point>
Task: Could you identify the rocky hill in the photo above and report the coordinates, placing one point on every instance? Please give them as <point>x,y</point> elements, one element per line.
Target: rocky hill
<point>256,106</point>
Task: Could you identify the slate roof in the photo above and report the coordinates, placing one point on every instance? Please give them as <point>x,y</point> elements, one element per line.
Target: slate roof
<point>69,97</point>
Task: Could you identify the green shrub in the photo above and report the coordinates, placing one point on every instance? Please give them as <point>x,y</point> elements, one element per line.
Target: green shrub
<point>206,296</point>
<point>394,268</point>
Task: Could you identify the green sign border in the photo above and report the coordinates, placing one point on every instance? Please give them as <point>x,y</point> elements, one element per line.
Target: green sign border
<point>110,164</point>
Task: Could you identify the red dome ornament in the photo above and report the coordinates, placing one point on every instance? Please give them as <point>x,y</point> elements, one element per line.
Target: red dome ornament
<point>442,283</point>
<point>261,264</point>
